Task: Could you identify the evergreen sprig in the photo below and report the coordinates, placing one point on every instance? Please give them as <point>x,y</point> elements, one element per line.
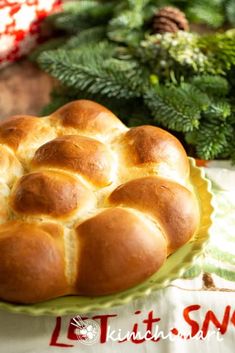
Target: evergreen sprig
<point>183,82</point>
<point>89,35</point>
<point>93,69</point>
<point>212,85</point>
<point>220,49</point>
<point>80,15</point>
<point>177,108</point>
<point>212,139</point>
<point>206,11</point>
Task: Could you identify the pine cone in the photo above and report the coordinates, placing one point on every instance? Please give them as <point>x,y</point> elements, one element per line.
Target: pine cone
<point>169,19</point>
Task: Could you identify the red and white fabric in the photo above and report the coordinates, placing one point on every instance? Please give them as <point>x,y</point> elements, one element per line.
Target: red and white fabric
<point>20,22</point>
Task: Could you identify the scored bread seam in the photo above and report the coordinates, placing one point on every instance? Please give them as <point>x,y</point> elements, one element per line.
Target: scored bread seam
<point>70,249</point>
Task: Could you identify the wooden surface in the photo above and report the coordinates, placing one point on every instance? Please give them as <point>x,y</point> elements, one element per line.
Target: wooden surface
<point>24,89</point>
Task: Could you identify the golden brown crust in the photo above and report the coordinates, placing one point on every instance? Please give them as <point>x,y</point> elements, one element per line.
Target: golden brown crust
<point>31,262</point>
<point>150,144</point>
<point>79,154</point>
<point>51,193</point>
<point>88,116</point>
<point>173,206</point>
<point>16,129</point>
<point>117,250</point>
<point>69,180</point>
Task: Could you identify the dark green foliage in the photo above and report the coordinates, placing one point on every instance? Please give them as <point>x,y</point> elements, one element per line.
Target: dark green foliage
<point>230,11</point>
<point>49,45</point>
<point>90,35</point>
<point>183,82</point>
<point>80,15</point>
<point>214,13</point>
<point>218,111</point>
<point>93,69</point>
<point>212,139</point>
<point>206,11</point>
<point>177,108</point>
<point>220,49</point>
<point>212,85</point>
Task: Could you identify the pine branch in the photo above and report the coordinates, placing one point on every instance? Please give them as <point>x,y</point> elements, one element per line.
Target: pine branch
<point>90,35</point>
<point>206,11</point>
<point>213,85</point>
<point>177,108</point>
<point>53,43</point>
<point>126,24</point>
<point>79,15</point>
<point>94,70</point>
<point>197,97</point>
<point>220,49</point>
<point>218,111</point>
<point>230,11</point>
<point>212,139</point>
<point>81,6</point>
<point>129,15</point>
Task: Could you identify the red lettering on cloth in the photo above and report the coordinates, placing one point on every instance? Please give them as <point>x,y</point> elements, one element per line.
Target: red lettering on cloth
<point>103,325</point>
<point>210,317</point>
<point>55,336</point>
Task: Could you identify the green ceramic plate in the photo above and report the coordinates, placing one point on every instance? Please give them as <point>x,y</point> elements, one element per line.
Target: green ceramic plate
<point>174,267</point>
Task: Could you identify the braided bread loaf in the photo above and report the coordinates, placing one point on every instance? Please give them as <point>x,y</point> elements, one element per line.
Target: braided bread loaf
<point>88,206</point>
